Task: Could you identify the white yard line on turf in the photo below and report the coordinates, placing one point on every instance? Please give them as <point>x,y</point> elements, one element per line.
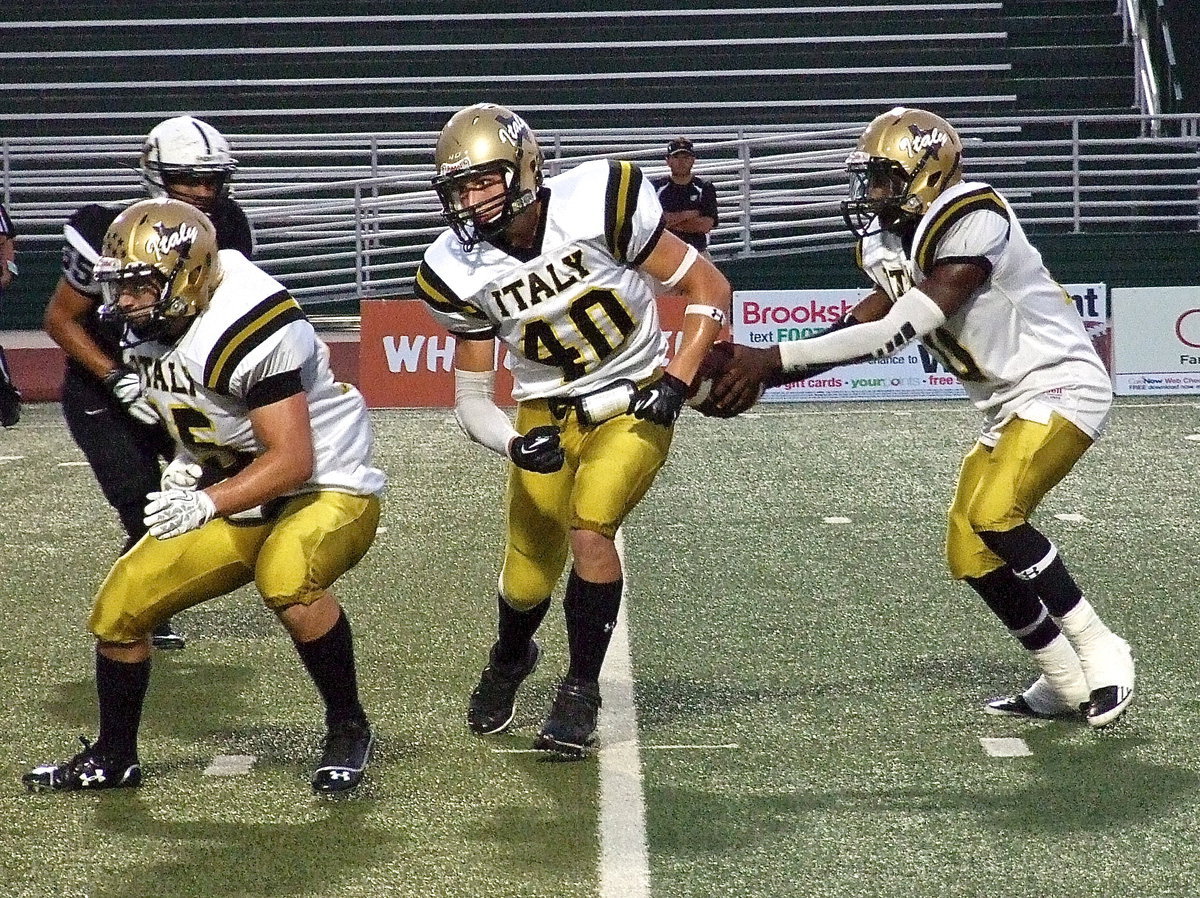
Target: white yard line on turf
<point>230,765</point>
<point>624,860</point>
<point>1005,747</point>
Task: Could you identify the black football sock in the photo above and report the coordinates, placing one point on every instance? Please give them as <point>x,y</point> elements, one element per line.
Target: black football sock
<point>120,690</point>
<point>1035,560</point>
<point>329,660</point>
<point>1017,605</point>
<point>514,630</point>
<point>591,612</point>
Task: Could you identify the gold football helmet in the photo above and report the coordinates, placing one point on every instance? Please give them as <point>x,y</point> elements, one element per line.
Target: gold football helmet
<point>161,247</point>
<point>903,162</point>
<point>478,141</point>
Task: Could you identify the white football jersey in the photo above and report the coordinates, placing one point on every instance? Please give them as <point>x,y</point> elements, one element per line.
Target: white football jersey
<point>251,330</point>
<point>574,312</point>
<point>1018,345</point>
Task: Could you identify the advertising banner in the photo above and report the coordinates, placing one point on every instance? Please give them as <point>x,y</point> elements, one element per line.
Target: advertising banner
<point>407,360</point>
<point>1157,332</point>
<point>766,317</point>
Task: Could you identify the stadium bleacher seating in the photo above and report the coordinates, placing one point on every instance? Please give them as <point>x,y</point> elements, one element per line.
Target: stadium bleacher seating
<point>276,68</point>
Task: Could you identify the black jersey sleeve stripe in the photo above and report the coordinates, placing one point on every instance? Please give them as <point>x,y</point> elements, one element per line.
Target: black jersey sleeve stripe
<point>650,244</point>
<point>272,314</point>
<point>983,199</point>
<point>485,334</point>
<point>620,203</point>
<point>275,388</point>
<point>436,293</point>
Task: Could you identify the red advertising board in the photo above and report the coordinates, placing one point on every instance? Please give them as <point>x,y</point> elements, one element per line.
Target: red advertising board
<point>406,359</point>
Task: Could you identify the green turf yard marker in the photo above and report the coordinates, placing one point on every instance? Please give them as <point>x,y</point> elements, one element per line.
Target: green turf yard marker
<point>1072,517</point>
<point>1005,747</point>
<point>699,746</point>
<point>624,858</point>
<point>11,457</point>
<point>72,464</point>
<point>230,765</point>
<point>1194,437</point>
<point>835,520</point>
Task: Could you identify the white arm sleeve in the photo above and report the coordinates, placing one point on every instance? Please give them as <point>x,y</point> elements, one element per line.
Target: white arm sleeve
<point>913,315</point>
<point>477,413</point>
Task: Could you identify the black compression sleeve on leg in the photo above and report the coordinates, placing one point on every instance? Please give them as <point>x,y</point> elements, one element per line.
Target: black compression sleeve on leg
<point>1017,605</point>
<point>591,612</point>
<point>329,660</point>
<point>120,691</point>
<point>514,630</point>
<point>1035,560</point>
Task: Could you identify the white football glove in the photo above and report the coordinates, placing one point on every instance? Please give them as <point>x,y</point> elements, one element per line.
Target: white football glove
<point>183,473</point>
<point>176,512</point>
<point>124,384</point>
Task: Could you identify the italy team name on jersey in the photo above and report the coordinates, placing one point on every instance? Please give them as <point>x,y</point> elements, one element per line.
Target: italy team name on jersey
<point>574,312</point>
<point>1019,337</point>
<point>252,330</point>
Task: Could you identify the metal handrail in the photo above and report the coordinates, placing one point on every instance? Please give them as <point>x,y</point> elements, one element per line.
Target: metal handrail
<point>357,227</point>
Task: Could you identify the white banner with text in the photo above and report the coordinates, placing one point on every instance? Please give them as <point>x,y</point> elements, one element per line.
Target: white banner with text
<point>766,317</point>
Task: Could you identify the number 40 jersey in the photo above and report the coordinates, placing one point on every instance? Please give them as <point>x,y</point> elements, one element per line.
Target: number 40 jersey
<point>574,311</point>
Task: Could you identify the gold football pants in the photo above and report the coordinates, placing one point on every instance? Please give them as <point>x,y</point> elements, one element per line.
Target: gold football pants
<point>293,558</point>
<point>608,468</point>
<point>998,488</point>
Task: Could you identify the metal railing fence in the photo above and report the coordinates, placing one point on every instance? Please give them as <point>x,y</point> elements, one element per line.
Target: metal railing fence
<point>343,217</point>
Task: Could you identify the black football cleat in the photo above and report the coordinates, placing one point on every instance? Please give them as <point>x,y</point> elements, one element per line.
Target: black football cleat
<point>89,769</point>
<point>1111,672</point>
<point>570,728</point>
<point>1041,701</point>
<point>1107,704</point>
<point>490,708</point>
<point>1016,706</point>
<point>347,751</point>
<point>166,638</point>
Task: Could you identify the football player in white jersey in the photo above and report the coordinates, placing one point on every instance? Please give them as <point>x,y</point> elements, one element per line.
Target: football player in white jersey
<point>953,268</point>
<point>272,481</point>
<point>565,274</point>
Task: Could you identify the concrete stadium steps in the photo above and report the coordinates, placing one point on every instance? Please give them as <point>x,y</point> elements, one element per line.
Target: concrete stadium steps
<point>1068,56</point>
<point>793,60</point>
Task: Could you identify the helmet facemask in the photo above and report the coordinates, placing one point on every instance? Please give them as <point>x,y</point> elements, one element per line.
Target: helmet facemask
<point>489,217</point>
<point>879,194</point>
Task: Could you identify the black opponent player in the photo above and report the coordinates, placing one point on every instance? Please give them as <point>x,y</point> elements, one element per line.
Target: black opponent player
<point>118,431</point>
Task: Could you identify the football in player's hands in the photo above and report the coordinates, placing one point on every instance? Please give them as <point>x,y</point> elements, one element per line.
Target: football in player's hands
<point>717,363</point>
<point>712,366</point>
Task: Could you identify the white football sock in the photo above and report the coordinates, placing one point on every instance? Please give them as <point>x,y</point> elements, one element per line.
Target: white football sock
<point>1062,672</point>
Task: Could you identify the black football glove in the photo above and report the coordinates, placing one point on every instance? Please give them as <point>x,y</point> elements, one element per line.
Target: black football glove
<point>661,401</point>
<point>539,451</point>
